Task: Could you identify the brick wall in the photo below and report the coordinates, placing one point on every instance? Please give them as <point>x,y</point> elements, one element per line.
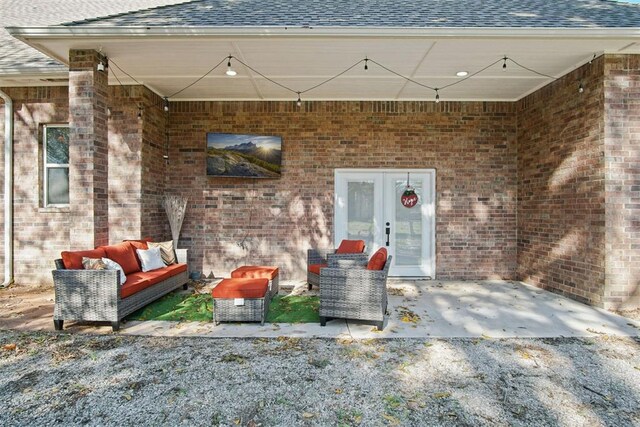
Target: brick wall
<point>235,221</point>
<point>622,181</point>
<point>154,168</point>
<point>561,223</point>
<point>39,233</point>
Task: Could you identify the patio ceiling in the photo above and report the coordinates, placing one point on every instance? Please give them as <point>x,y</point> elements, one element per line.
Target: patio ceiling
<point>167,59</point>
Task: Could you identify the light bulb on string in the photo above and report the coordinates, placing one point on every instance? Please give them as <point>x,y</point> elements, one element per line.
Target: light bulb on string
<point>504,63</point>
<point>166,104</point>
<point>299,101</point>
<point>366,67</point>
<point>230,71</point>
<point>580,88</point>
<point>437,96</point>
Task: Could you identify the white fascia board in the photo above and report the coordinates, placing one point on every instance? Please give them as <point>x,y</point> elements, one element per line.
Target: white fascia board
<point>60,32</point>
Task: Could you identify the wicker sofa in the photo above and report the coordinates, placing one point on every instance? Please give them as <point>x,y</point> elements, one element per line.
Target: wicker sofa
<point>348,290</point>
<point>97,295</point>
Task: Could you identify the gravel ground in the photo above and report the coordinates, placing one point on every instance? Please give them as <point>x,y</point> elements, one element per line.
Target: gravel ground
<point>73,379</point>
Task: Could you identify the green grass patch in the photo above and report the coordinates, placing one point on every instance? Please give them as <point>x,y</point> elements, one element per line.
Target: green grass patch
<point>294,309</point>
<point>178,306</point>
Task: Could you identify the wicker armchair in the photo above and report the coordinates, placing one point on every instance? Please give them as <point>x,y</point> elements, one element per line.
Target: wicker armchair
<point>349,291</point>
<point>318,258</point>
<point>322,256</point>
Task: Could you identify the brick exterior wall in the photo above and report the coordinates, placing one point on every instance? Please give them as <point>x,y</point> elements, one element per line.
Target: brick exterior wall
<point>230,221</point>
<point>88,150</point>
<point>561,192</point>
<point>154,168</point>
<point>622,180</point>
<point>40,234</point>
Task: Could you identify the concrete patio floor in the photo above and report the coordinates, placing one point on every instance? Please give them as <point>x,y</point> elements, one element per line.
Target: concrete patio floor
<point>417,309</point>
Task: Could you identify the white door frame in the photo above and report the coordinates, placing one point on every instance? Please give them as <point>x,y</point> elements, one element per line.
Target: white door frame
<point>428,209</point>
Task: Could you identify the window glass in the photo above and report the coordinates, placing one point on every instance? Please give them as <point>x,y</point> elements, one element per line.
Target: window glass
<point>57,186</point>
<point>57,140</point>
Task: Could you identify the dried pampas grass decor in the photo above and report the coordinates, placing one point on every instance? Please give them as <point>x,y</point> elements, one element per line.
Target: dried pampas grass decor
<point>175,206</point>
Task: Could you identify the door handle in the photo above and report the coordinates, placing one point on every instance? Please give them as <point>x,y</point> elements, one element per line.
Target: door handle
<point>387,231</point>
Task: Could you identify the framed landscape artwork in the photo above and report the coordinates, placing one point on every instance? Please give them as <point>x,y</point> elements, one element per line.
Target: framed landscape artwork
<point>243,156</point>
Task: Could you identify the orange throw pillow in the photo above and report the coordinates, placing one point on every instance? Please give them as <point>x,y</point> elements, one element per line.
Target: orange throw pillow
<point>378,260</point>
<point>351,247</point>
<point>73,260</point>
<point>123,254</point>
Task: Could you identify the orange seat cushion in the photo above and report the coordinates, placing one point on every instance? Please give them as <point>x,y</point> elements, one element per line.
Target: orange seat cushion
<point>241,288</point>
<point>123,254</point>
<point>350,247</point>
<point>142,280</point>
<point>255,272</point>
<point>73,259</point>
<point>378,260</point>
<point>315,268</point>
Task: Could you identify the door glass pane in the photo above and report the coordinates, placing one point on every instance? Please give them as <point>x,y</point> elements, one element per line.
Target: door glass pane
<point>58,145</point>
<point>408,226</point>
<point>57,186</point>
<point>360,215</point>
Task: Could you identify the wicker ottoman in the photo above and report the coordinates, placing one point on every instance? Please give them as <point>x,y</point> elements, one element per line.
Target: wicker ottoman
<point>241,300</point>
<point>260,271</point>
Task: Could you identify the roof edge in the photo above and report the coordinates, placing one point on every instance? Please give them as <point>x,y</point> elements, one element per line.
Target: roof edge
<point>58,32</point>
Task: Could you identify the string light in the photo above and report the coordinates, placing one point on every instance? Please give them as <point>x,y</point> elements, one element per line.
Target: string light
<point>366,61</point>
<point>139,111</point>
<point>230,71</point>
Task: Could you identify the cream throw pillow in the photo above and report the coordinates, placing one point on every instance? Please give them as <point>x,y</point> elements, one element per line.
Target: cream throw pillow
<point>151,259</point>
<point>112,265</point>
<point>166,250</point>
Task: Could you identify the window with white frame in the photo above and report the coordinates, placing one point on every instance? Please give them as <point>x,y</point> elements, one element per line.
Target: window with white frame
<point>56,165</point>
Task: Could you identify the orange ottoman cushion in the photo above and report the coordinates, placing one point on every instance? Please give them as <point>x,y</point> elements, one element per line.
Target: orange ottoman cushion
<point>255,272</point>
<point>315,268</point>
<point>241,288</point>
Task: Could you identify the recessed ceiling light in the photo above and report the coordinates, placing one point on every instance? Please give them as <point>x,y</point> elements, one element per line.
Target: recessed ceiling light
<point>462,73</point>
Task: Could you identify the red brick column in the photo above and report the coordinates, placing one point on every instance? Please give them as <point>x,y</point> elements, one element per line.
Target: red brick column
<point>622,180</point>
<point>88,152</point>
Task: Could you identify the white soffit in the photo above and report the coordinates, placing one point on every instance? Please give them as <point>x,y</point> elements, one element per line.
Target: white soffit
<point>168,63</point>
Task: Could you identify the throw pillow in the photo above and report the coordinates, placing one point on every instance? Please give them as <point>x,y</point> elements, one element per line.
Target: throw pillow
<point>166,250</point>
<point>350,247</point>
<point>151,259</point>
<point>112,265</point>
<point>378,260</point>
<point>93,264</point>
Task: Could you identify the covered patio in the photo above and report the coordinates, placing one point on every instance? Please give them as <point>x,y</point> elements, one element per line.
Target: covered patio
<point>527,127</point>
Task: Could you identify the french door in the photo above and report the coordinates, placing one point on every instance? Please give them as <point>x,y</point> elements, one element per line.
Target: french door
<point>368,206</point>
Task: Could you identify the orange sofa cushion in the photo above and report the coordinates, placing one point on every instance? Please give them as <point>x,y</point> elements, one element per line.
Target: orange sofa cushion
<point>350,247</point>
<point>241,288</point>
<point>73,259</point>
<point>315,268</point>
<point>139,244</point>
<point>255,272</point>
<point>142,280</point>
<point>123,254</point>
<point>378,260</point>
